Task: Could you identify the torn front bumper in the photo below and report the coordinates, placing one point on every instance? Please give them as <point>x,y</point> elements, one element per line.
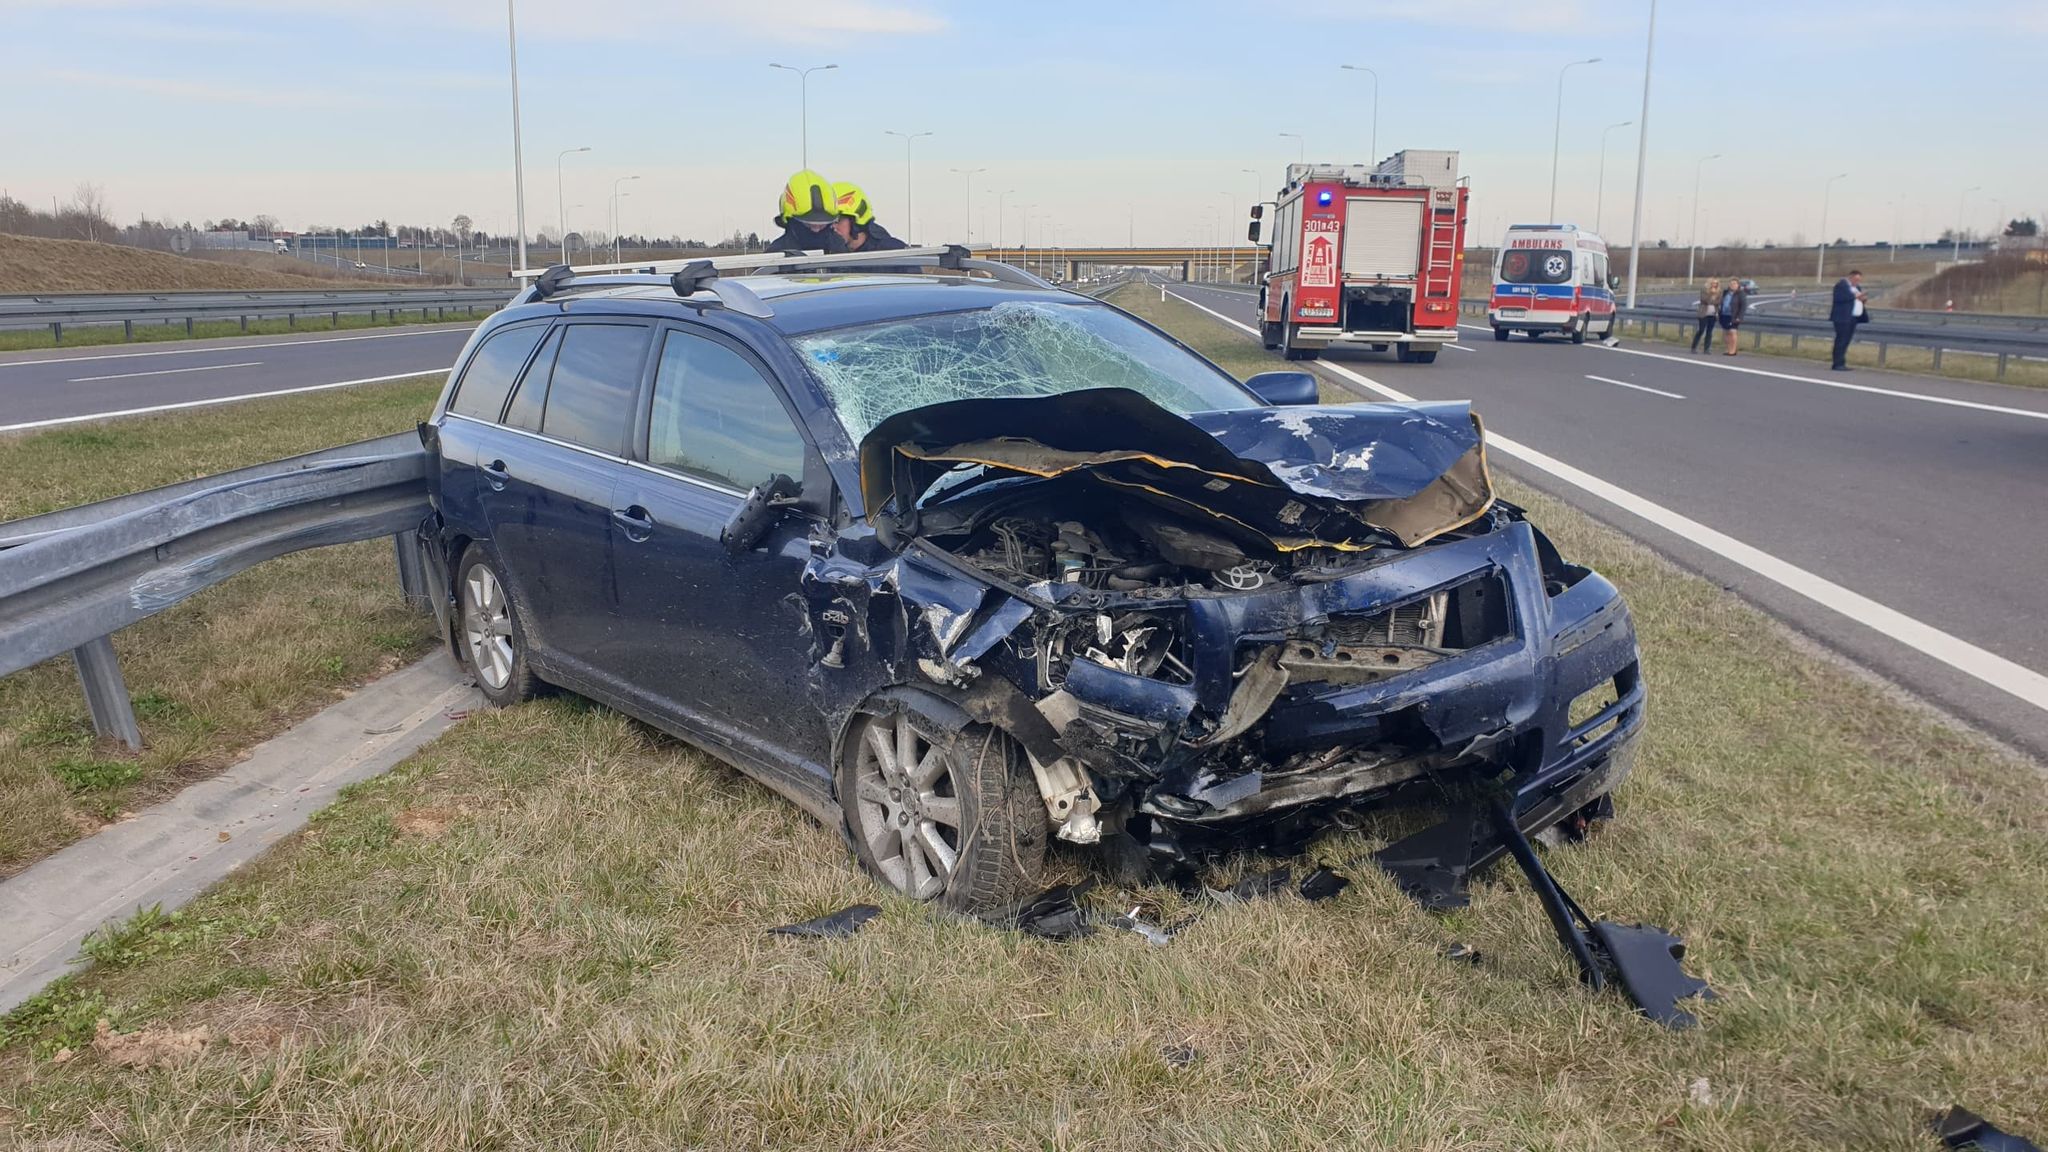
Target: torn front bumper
<point>1503,706</point>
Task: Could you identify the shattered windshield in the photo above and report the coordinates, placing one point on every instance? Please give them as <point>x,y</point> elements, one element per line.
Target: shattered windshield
<point>1017,348</point>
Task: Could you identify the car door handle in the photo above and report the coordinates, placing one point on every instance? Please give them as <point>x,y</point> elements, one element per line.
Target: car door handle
<point>496,475</point>
<point>635,522</point>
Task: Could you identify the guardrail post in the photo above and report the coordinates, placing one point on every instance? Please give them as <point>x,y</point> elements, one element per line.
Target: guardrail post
<point>1756,340</point>
<point>106,694</point>
<point>291,320</point>
<point>1881,346</point>
<point>2001,365</point>
<point>1795,341</point>
<point>56,333</point>
<point>245,323</point>
<point>412,572</point>
<point>127,331</point>
<point>1937,359</point>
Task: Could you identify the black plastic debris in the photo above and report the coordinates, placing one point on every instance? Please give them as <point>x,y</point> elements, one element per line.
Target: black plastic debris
<point>1178,1055</point>
<point>1962,1128</point>
<point>1260,885</point>
<point>1464,953</point>
<point>844,922</point>
<point>1432,865</point>
<point>1323,883</point>
<point>1645,962</point>
<point>1056,913</point>
<point>1158,935</point>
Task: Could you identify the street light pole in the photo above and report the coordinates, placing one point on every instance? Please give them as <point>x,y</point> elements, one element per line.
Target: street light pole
<point>1001,251</point>
<point>1600,198</point>
<point>1635,228</point>
<point>907,138</point>
<point>968,173</point>
<point>1557,134</point>
<point>518,160</point>
<point>615,214</point>
<point>561,209</point>
<point>1300,147</point>
<point>1820,263</point>
<point>803,87</point>
<point>1372,156</point>
<point>1692,248</point>
<point>1956,253</point>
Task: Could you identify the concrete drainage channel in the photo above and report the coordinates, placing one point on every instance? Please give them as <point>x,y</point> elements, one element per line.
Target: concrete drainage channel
<point>170,853</point>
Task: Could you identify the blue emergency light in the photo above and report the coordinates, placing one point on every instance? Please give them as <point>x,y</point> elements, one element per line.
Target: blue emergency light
<point>1323,197</point>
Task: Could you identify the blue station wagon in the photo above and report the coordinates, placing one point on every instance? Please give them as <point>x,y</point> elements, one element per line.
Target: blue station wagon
<point>962,563</point>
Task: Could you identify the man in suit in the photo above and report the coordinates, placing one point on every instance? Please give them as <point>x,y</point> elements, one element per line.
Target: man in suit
<point>1846,313</point>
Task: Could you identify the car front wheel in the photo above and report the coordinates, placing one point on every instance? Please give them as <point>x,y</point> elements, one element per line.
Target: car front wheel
<point>941,808</point>
<point>493,639</point>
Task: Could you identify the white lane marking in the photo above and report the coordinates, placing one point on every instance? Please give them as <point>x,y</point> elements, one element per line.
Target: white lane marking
<point>1963,656</point>
<point>1842,384</point>
<point>165,372</point>
<point>1459,348</point>
<point>213,400</point>
<point>416,330</point>
<point>1637,387</point>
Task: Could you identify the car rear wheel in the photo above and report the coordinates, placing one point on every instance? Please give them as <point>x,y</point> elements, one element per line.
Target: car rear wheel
<point>1579,329</point>
<point>493,640</point>
<point>940,808</point>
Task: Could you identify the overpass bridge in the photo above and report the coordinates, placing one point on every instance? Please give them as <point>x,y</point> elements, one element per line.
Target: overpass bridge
<point>1189,262</point>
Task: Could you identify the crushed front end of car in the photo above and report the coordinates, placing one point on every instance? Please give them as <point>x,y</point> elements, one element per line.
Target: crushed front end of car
<point>1211,629</point>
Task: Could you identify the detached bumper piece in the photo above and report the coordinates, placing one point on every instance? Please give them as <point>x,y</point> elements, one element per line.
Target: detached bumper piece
<point>1962,1128</point>
<point>1433,865</point>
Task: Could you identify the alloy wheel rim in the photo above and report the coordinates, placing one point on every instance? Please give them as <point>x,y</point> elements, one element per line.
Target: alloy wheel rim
<point>908,806</point>
<point>487,628</point>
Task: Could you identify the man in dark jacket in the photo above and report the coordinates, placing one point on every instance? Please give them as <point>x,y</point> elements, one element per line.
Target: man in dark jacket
<point>808,217</point>
<point>1845,314</point>
<point>857,219</point>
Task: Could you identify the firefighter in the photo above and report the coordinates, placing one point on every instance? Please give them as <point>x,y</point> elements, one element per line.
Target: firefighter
<point>857,219</point>
<point>808,216</point>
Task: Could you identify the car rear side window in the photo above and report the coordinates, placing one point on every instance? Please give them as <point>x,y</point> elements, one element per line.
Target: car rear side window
<point>490,374</point>
<point>717,418</point>
<point>532,396</point>
<point>597,374</point>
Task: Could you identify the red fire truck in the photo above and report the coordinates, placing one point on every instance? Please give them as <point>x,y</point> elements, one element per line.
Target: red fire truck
<point>1365,257</point>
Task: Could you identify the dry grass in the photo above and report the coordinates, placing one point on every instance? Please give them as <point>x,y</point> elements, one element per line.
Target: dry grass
<point>29,264</point>
<point>1817,347</point>
<point>546,931</point>
<point>223,670</point>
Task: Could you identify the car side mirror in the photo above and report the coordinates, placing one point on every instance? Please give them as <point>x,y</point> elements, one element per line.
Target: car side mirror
<point>1252,233</point>
<point>1284,387</point>
<point>1613,282</point>
<point>760,511</point>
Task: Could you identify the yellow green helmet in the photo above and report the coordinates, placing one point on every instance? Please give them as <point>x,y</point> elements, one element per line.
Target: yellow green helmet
<point>852,203</point>
<point>806,197</point>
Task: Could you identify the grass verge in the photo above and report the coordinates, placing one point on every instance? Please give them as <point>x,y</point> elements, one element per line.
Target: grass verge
<point>87,336</point>
<point>546,930</point>
<point>223,670</point>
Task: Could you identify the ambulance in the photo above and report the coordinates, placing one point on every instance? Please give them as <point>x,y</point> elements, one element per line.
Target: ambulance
<point>1364,257</point>
<point>1552,278</point>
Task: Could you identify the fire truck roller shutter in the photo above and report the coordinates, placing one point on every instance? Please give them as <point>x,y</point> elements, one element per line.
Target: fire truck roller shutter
<point>1382,237</point>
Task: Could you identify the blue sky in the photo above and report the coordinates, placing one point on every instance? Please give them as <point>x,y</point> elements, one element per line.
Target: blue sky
<point>1094,113</point>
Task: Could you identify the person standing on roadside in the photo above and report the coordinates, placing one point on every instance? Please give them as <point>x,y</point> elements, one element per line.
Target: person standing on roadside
<point>1846,313</point>
<point>1734,301</point>
<point>1710,302</point>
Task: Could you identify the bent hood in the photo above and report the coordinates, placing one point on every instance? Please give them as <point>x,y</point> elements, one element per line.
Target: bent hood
<point>1322,476</point>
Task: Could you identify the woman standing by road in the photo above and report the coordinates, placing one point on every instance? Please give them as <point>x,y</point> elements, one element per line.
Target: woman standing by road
<point>1710,302</point>
<point>1734,301</point>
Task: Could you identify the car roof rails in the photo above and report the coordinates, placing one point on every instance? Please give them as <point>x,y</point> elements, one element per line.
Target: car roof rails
<point>945,257</point>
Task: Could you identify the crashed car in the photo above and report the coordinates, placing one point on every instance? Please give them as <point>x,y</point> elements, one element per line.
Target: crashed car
<point>962,563</point>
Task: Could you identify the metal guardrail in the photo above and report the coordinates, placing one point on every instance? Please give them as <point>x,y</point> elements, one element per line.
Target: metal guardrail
<point>2004,347</point>
<point>55,312</point>
<point>71,579</point>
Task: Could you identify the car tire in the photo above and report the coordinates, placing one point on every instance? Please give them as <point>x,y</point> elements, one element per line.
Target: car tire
<point>1501,334</point>
<point>1579,329</point>
<point>1423,357</point>
<point>912,763</point>
<point>490,637</point>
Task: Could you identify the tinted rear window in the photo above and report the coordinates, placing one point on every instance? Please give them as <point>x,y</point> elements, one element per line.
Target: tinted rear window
<point>492,370</point>
<point>597,373</point>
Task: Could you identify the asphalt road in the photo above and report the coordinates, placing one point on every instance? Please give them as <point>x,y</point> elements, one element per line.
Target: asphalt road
<point>39,389</point>
<point>1925,498</point>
